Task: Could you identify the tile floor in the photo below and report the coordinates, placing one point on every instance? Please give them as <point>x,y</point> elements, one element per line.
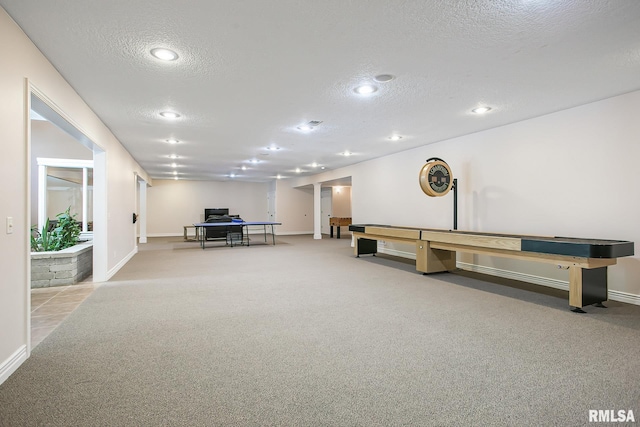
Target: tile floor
<point>50,306</point>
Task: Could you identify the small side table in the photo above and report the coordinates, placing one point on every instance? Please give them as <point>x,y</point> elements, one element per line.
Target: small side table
<point>188,238</point>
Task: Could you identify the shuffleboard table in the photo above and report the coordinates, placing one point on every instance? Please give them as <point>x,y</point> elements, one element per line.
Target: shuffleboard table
<point>586,259</point>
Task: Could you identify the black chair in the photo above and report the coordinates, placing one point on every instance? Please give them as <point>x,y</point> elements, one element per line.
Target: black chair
<point>231,234</point>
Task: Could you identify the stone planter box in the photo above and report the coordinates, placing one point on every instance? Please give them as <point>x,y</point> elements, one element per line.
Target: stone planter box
<point>66,267</point>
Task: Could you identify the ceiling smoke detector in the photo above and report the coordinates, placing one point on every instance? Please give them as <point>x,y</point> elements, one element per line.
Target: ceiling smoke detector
<point>310,125</point>
<point>384,78</point>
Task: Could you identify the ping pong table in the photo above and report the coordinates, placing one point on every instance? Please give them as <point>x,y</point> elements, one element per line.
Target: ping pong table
<point>229,226</point>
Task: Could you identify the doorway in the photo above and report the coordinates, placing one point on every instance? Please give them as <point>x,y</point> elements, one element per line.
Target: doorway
<point>52,135</point>
<point>325,209</point>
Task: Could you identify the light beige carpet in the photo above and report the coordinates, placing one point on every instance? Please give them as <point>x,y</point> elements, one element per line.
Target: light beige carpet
<point>304,334</point>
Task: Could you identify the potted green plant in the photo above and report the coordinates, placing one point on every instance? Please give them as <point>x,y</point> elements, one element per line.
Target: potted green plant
<point>63,236</point>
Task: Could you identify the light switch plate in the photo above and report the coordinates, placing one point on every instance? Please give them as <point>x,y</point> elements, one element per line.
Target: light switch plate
<point>9,225</point>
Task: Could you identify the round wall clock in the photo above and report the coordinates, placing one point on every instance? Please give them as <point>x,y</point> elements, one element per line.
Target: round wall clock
<point>436,178</point>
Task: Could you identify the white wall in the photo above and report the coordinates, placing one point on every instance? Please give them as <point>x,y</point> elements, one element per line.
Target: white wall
<point>24,65</point>
<point>294,208</point>
<point>49,141</point>
<point>172,204</point>
<point>60,199</point>
<point>571,173</point>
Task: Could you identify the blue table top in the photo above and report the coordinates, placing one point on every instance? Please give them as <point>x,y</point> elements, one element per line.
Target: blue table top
<point>227,224</point>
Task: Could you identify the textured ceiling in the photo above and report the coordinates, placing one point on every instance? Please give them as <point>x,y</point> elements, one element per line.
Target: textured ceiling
<point>251,71</point>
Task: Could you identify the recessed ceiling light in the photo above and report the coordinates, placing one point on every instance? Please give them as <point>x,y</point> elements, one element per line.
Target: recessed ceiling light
<point>173,156</point>
<point>175,172</point>
<point>322,167</point>
<point>273,148</point>
<point>169,115</point>
<point>279,176</point>
<point>305,128</point>
<point>175,177</point>
<point>255,161</point>
<point>164,54</point>
<point>232,175</point>
<point>314,165</point>
<point>395,137</point>
<point>244,168</point>
<point>298,170</point>
<point>481,110</point>
<point>172,141</point>
<point>365,89</point>
<point>173,165</point>
<point>346,154</point>
<point>384,77</point>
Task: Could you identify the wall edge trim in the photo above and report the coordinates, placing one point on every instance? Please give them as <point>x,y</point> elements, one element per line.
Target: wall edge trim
<point>14,361</point>
<point>121,264</point>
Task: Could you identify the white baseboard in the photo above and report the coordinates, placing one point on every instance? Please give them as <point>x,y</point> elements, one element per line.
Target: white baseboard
<point>293,233</point>
<point>121,264</point>
<point>523,277</point>
<point>544,281</point>
<point>402,254</point>
<point>624,297</point>
<point>14,361</point>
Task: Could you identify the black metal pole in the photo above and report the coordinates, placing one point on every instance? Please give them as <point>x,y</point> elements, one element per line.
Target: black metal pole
<point>455,203</point>
<point>435,158</point>
<point>454,187</point>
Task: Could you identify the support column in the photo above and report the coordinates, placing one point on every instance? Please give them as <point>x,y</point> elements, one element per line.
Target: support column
<point>42,196</point>
<point>142,216</point>
<point>317,210</point>
<point>85,199</point>
<point>100,217</point>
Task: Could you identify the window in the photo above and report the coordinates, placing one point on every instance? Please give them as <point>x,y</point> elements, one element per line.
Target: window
<point>64,183</point>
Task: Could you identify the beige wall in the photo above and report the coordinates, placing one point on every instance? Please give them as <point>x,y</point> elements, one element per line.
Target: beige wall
<point>23,64</point>
<point>294,208</point>
<point>570,173</point>
<point>341,201</point>
<point>172,204</point>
